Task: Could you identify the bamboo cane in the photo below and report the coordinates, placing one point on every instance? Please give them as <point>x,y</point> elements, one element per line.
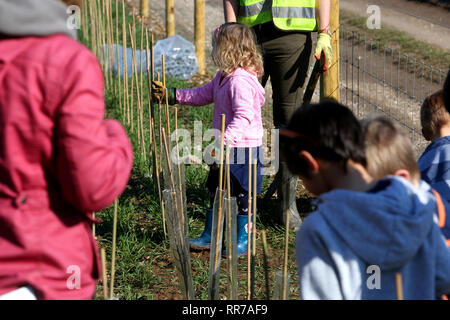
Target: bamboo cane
<point>133,65</point>
<point>266,266</point>
<point>126,105</point>
<point>231,247</point>
<point>84,20</point>
<point>111,42</point>
<point>169,165</point>
<point>141,115</point>
<point>158,179</point>
<point>219,230</point>
<point>399,286</point>
<point>255,168</point>
<point>110,61</point>
<point>99,30</point>
<point>179,171</point>
<point>92,25</point>
<point>163,64</point>
<point>119,91</point>
<point>113,255</point>
<point>151,113</point>
<point>105,277</point>
<point>156,175</point>
<point>286,257</point>
<point>178,240</point>
<point>103,41</point>
<point>134,78</point>
<point>249,223</point>
<point>229,250</point>
<point>166,112</point>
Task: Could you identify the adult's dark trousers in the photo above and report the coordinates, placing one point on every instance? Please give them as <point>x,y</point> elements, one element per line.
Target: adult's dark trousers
<point>286,56</point>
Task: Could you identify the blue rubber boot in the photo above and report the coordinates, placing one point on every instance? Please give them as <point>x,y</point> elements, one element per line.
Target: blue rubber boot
<point>204,241</point>
<point>242,236</point>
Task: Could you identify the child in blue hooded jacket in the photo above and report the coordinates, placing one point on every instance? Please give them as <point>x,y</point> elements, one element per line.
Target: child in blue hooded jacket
<point>434,163</point>
<point>363,232</point>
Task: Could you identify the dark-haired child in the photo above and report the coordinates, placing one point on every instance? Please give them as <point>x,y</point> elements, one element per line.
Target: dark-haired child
<point>434,163</point>
<point>363,232</point>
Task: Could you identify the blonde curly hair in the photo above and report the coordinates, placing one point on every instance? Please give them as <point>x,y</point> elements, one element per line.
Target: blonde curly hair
<point>234,46</point>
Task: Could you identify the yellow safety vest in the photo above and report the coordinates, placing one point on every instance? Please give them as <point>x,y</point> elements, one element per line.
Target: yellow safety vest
<point>285,14</point>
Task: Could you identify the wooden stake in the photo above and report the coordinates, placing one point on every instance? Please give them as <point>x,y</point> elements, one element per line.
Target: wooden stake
<point>170,18</point>
<point>399,286</point>
<point>144,8</point>
<point>105,276</point>
<point>113,255</point>
<point>200,34</point>
<point>329,81</point>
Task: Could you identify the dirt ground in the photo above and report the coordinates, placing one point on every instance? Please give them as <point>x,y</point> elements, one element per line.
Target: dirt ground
<point>420,19</point>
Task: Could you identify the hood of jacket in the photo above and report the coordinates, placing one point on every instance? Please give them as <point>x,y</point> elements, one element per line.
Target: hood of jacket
<point>385,226</point>
<point>22,18</point>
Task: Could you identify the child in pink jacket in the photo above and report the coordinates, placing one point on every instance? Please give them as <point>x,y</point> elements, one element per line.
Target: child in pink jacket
<point>237,93</point>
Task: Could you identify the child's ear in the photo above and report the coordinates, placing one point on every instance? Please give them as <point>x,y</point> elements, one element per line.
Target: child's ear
<point>403,173</point>
<point>313,164</point>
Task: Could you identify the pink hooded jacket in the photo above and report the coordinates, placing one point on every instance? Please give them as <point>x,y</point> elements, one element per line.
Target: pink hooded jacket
<point>239,96</point>
<point>59,161</point>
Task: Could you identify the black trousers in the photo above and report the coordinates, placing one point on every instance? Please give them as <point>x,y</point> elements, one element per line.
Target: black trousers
<point>286,56</point>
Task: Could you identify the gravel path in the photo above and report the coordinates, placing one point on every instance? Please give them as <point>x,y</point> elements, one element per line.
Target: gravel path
<point>422,21</point>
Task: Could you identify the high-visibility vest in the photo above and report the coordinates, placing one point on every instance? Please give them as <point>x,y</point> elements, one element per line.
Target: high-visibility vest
<point>285,14</point>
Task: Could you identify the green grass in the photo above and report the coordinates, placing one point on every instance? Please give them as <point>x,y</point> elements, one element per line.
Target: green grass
<point>144,266</point>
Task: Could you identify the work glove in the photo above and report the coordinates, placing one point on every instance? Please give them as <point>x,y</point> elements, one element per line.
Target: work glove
<point>159,92</point>
<point>324,45</point>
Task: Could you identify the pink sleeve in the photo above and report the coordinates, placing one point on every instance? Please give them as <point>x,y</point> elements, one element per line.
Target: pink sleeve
<point>241,104</point>
<point>94,156</point>
<point>200,96</point>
